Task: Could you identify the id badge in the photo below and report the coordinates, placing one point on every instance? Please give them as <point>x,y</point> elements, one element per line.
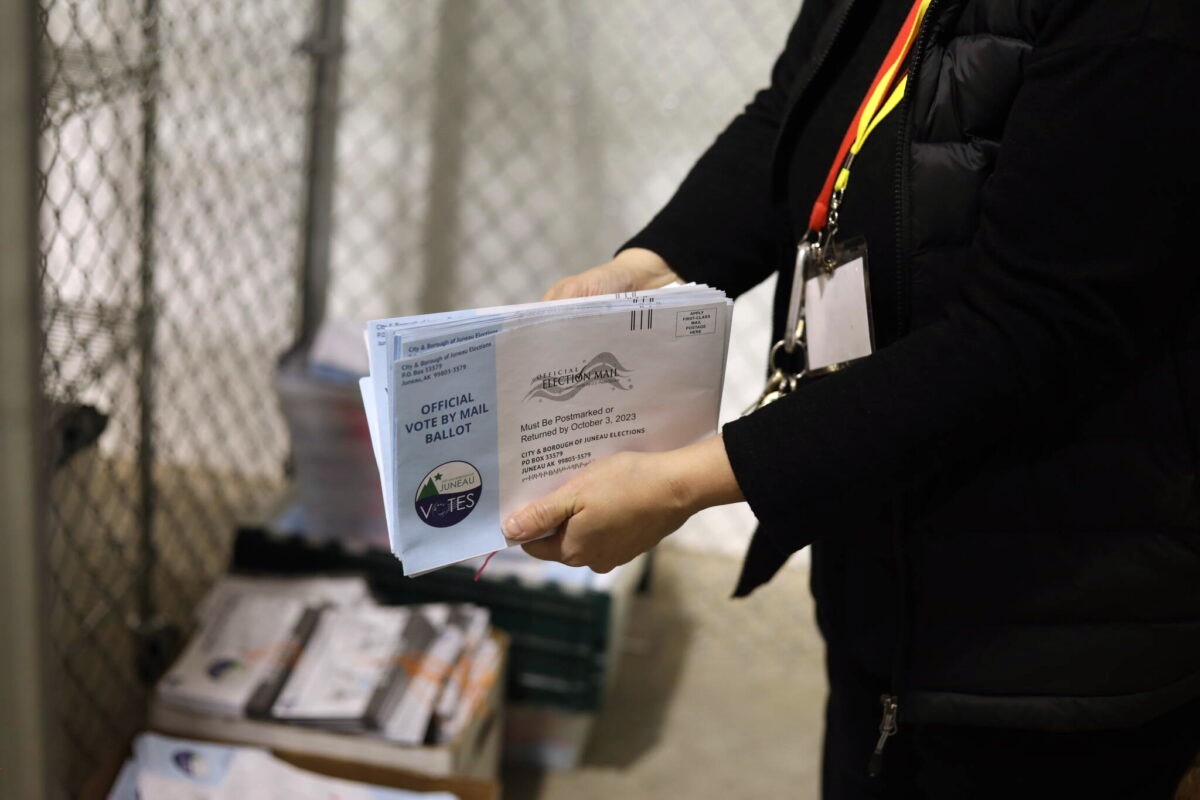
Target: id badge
<point>837,309</point>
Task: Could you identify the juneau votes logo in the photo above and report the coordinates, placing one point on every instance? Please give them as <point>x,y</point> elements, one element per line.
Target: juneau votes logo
<point>448,494</point>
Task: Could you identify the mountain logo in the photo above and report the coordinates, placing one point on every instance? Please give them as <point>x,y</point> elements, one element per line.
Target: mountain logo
<point>562,384</point>
<point>219,668</point>
<point>448,494</point>
<point>190,763</point>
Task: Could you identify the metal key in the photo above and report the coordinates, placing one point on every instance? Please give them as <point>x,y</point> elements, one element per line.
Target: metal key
<point>780,384</point>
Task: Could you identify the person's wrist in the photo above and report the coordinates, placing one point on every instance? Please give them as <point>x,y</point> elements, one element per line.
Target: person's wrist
<point>700,476</point>
<point>647,269</point>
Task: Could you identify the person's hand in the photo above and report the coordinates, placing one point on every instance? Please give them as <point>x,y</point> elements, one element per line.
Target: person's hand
<point>621,506</point>
<point>632,270</point>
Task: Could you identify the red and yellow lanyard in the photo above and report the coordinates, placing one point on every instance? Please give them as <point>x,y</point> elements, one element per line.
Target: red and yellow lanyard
<point>885,93</point>
<point>873,109</point>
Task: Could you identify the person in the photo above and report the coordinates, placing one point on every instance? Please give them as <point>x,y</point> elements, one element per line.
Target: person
<point>1002,498</point>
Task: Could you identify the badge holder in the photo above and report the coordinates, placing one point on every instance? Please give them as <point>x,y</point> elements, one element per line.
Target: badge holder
<point>829,310</point>
<point>837,307</point>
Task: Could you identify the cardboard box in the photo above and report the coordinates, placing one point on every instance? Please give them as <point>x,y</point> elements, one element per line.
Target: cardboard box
<point>474,754</point>
<point>464,788</point>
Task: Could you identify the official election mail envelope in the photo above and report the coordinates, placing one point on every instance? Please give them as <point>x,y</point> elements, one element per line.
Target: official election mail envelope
<point>487,411</point>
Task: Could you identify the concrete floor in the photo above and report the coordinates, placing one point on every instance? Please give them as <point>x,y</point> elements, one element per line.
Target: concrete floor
<point>714,698</point>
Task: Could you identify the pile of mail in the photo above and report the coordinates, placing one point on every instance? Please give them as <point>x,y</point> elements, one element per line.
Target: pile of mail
<point>320,653</point>
<point>334,470</point>
<point>164,768</point>
<point>474,414</point>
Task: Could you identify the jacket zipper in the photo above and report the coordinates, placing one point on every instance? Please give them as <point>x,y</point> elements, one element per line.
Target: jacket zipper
<point>887,729</point>
<point>902,143</point>
<point>788,113</point>
<point>816,68</point>
<point>890,720</point>
<point>837,31</point>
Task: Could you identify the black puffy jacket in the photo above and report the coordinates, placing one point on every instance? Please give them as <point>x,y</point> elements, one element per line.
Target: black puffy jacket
<point>1032,418</point>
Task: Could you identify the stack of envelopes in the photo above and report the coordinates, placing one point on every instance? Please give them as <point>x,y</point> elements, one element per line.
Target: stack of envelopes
<point>473,414</point>
<point>320,653</point>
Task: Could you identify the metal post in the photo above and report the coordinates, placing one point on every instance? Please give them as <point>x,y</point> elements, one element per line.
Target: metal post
<point>146,312</point>
<point>152,637</point>
<point>24,697</point>
<point>324,46</point>
<point>445,170</point>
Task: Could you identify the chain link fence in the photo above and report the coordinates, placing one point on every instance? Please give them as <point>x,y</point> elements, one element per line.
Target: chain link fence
<point>483,150</point>
<point>486,151</point>
<point>172,151</point>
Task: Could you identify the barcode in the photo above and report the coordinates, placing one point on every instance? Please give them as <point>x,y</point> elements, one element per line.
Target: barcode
<point>641,319</point>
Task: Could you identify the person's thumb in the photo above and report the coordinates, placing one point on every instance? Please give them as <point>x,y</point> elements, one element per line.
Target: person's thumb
<point>539,518</point>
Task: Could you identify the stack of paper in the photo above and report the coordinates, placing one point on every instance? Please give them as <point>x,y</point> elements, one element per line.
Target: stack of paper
<point>426,668</point>
<point>236,662</point>
<point>473,414</point>
<point>164,768</point>
<point>466,689</point>
<point>346,665</point>
<point>330,447</point>
<point>320,653</point>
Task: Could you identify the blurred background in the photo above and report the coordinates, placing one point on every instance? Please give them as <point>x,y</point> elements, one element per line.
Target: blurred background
<point>216,183</point>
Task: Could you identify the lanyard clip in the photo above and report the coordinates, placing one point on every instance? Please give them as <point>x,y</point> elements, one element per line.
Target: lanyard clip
<point>793,329</point>
<point>789,359</point>
<point>825,248</point>
<point>786,371</point>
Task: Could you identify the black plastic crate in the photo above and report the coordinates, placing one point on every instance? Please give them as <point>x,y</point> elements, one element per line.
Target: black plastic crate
<point>561,649</point>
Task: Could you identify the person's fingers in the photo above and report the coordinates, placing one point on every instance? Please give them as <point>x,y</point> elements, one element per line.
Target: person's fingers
<point>583,285</point>
<point>539,518</point>
<point>548,549</point>
<point>579,285</point>
<point>597,280</point>
<point>556,292</point>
